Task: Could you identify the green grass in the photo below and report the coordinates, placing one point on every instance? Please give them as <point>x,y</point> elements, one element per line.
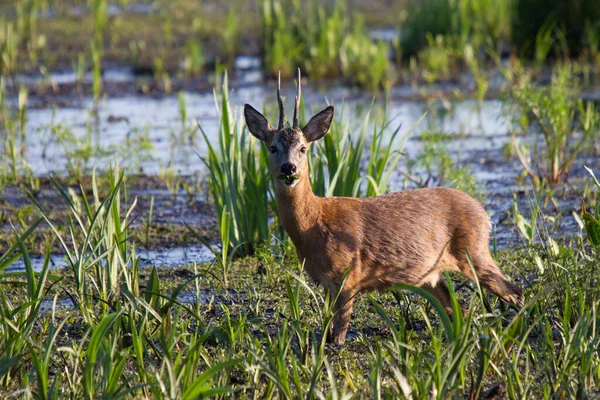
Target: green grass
<point>131,335</point>
<point>249,324</point>
<point>252,327</point>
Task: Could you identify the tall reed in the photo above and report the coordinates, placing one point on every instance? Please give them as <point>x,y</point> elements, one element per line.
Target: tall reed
<point>99,9</point>
<point>238,180</point>
<point>103,263</point>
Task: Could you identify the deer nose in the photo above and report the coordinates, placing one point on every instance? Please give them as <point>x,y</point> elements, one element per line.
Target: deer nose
<point>288,169</point>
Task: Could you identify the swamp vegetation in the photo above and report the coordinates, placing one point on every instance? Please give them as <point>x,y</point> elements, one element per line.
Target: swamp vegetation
<point>122,137</point>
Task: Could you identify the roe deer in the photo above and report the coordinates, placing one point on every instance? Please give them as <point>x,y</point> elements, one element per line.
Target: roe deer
<point>406,237</point>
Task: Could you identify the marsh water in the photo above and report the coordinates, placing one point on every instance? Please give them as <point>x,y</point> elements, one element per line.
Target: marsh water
<point>151,134</point>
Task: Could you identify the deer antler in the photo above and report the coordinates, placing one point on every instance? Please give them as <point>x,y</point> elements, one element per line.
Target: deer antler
<point>280,101</point>
<point>297,104</point>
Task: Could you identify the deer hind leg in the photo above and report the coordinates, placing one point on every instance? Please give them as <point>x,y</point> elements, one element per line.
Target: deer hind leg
<point>440,291</point>
<point>490,276</point>
<point>442,294</point>
<point>343,312</point>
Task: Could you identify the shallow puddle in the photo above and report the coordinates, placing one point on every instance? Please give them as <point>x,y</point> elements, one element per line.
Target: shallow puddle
<point>124,123</point>
<point>175,257</point>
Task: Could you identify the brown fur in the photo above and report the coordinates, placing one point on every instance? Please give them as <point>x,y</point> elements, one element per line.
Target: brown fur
<point>406,237</point>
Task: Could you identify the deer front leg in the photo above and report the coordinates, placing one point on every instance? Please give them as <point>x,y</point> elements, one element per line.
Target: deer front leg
<point>343,312</point>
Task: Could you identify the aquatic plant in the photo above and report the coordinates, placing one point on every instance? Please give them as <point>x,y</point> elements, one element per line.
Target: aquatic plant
<point>483,22</point>
<point>570,16</point>
<point>112,310</point>
<point>528,228</point>
<point>127,331</point>
<point>231,34</point>
<point>237,179</point>
<point>104,247</point>
<point>99,9</point>
<point>13,136</point>
<point>366,63</point>
<point>544,41</point>
<point>432,17</point>
<point>161,75</point>
<point>337,162</point>
<point>176,348</point>
<point>8,48</point>
<point>591,221</point>
<point>194,58</point>
<point>319,40</point>
<point>474,22</point>
<point>592,42</point>
<point>171,178</point>
<point>79,67</point>
<point>434,166</point>
<point>566,124</point>
<point>437,59</point>
<point>27,26</point>
<point>479,72</point>
<point>104,327</point>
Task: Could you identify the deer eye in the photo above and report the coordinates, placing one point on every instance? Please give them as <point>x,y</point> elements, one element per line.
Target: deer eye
<point>303,149</point>
<point>273,149</point>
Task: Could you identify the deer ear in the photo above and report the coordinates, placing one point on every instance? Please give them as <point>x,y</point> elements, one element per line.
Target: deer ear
<point>318,125</point>
<point>257,124</point>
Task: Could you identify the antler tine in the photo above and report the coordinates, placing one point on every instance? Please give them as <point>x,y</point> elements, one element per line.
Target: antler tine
<point>297,104</point>
<point>280,101</point>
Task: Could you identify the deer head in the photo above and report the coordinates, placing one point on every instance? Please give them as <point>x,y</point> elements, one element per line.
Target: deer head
<point>288,145</point>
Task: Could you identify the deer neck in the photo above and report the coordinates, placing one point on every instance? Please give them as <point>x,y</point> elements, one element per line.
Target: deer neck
<point>299,209</point>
